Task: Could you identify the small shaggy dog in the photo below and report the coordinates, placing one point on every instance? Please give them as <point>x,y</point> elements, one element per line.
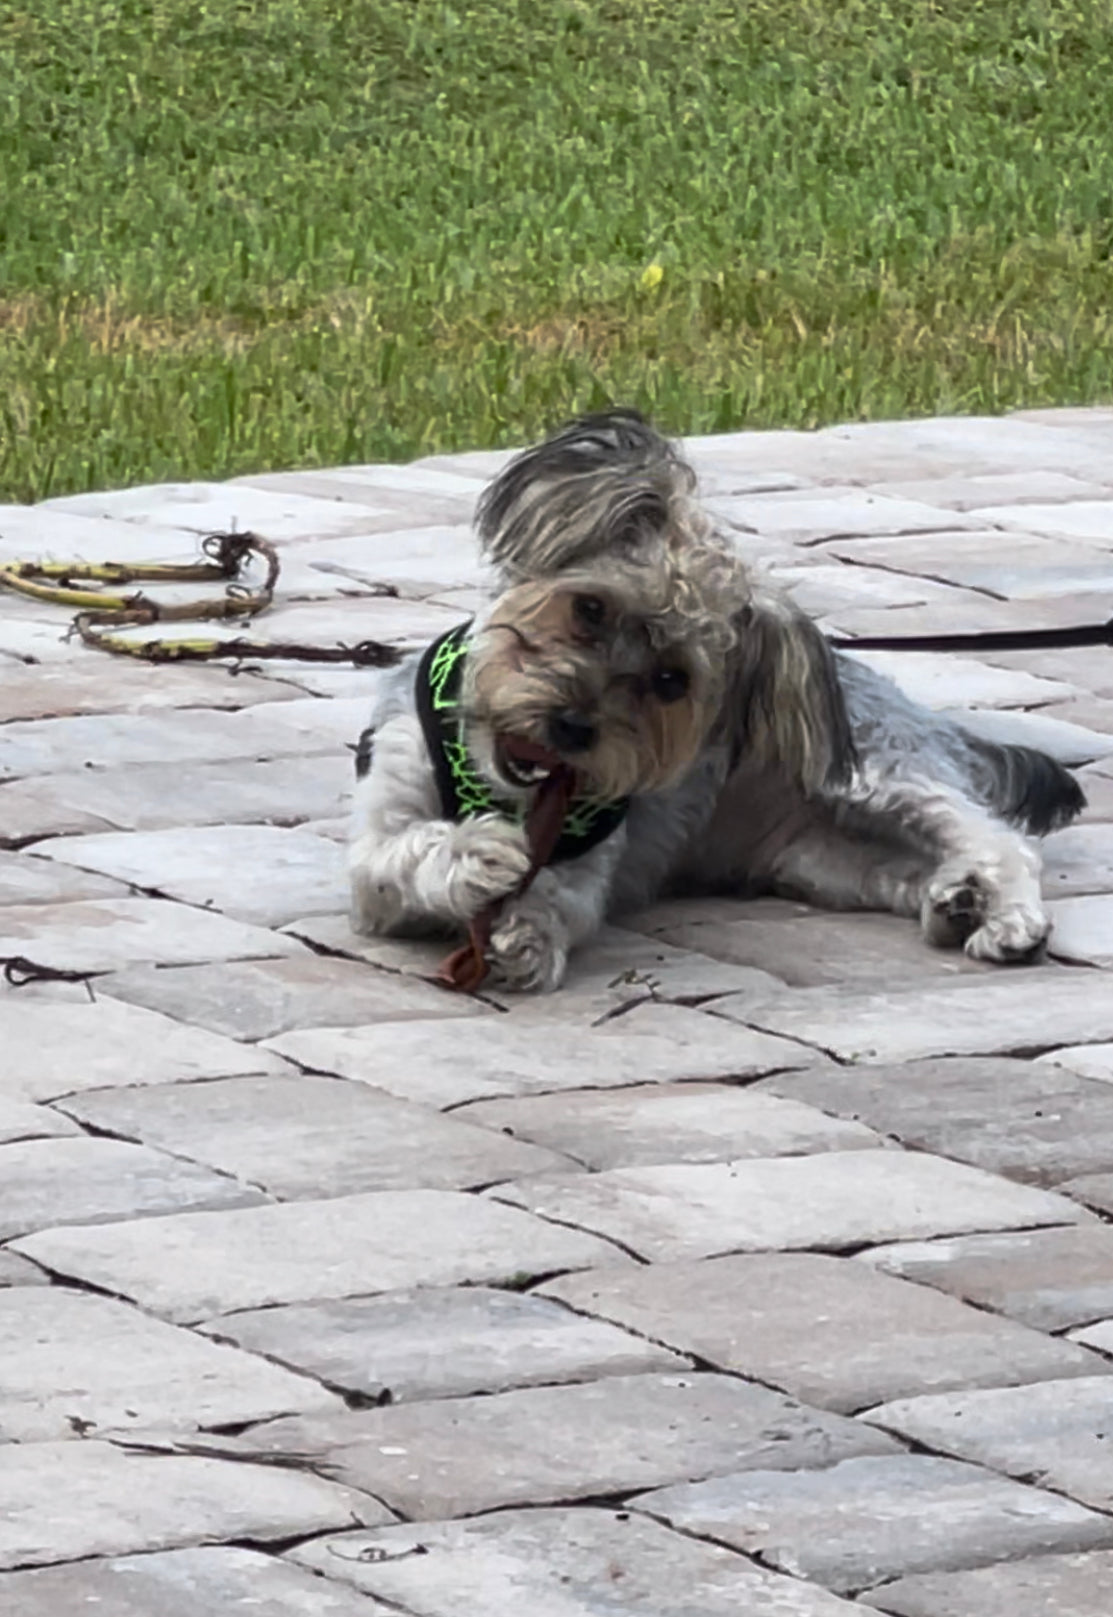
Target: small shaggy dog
<point>718,743</point>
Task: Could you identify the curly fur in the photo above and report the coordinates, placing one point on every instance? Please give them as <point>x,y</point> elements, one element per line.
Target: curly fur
<point>627,639</point>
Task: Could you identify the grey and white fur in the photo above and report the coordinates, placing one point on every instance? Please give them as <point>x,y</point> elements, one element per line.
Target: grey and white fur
<point>628,640</point>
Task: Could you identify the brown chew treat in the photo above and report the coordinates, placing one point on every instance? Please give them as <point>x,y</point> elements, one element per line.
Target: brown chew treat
<point>466,967</point>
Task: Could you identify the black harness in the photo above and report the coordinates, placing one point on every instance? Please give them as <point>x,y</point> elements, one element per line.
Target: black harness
<point>463,791</point>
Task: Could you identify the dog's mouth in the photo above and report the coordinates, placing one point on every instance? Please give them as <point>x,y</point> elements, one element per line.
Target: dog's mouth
<point>525,763</point>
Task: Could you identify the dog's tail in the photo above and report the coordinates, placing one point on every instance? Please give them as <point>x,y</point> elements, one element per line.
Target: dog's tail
<point>1026,787</point>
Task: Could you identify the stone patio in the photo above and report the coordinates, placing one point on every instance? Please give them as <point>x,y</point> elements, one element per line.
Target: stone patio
<point>767,1269</point>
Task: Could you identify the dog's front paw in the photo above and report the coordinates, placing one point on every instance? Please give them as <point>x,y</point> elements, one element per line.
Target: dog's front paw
<point>529,953</point>
<point>489,858</point>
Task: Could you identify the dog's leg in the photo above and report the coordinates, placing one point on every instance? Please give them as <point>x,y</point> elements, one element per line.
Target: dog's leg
<point>921,849</point>
<point>407,864</point>
<point>984,894</point>
<point>563,908</point>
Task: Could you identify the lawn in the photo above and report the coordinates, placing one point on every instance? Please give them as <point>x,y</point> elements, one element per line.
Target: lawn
<point>254,233</point>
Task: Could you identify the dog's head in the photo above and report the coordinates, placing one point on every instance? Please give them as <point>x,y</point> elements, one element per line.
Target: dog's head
<point>629,636</point>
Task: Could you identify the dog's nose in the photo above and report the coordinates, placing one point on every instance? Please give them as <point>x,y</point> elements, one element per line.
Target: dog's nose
<point>571,732</point>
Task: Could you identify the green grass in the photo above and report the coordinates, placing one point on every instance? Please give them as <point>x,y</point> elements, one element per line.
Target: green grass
<point>248,233</point>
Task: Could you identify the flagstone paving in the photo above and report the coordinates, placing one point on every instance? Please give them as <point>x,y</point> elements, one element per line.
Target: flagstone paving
<point>767,1268</point>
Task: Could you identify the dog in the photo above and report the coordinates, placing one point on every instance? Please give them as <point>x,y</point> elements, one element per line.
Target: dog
<point>719,744</point>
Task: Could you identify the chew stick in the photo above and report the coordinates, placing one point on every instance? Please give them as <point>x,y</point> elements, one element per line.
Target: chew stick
<point>466,968</point>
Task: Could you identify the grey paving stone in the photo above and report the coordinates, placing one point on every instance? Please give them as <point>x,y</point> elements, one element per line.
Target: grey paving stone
<point>442,1343</point>
<point>1026,565</point>
<point>72,1363</point>
<point>411,490</point>
<point>940,682</point>
<point>1054,1433</point>
<point>620,967</point>
<point>414,482</point>
<point>969,611</point>
<point>1099,1335</point>
<point>42,530</point>
<point>27,879</point>
<point>833,1201</point>
<point>44,1183</point>
<point>32,810</point>
<point>668,1123</point>
<point>726,480</point>
<point>891,450</point>
<point>64,1501</point>
<point>445,1063</point>
<point>1071,743</point>
<point>20,1120</point>
<point>218,507</point>
<point>808,517</point>
<point>260,874</point>
<point>1095,1189</point>
<point>1078,860</point>
<point>17,1271</point>
<point>1049,1279</point>
<point>1045,1586</point>
<point>51,690</point>
<point>1017,1012</point>
<point>542,1445</point>
<point>1088,1060</point>
<point>1082,929</point>
<point>1073,665</point>
<point>305,1137</point>
<point>1095,421</point>
<point>558,1563</point>
<point>826,1330</point>
<point>332,935</point>
<point>998,488</point>
<point>865,1520</point>
<point>1034,1122</point>
<point>342,621</point>
<point>256,999</point>
<point>196,1265</point>
<point>819,588</point>
<point>417,562</point>
<point>1090,712</point>
<point>147,797</point>
<point>1087,520</point>
<point>55,1049</point>
<point>1099,794</point>
<point>336,829</point>
<point>184,1583</point>
<point>804,947</point>
<point>103,934</point>
<point>620,964</point>
<point>308,727</point>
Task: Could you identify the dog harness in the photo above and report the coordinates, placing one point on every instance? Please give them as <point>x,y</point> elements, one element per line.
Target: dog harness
<point>463,791</point>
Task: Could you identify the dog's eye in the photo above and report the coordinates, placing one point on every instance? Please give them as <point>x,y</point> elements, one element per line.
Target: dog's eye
<point>589,611</point>
<point>669,684</point>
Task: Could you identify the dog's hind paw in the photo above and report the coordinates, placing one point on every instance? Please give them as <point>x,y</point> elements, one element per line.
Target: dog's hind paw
<point>1012,936</point>
<point>954,909</point>
<point>968,911</point>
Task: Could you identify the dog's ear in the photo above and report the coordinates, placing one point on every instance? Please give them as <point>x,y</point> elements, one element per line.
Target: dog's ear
<point>784,702</point>
<point>604,484</point>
